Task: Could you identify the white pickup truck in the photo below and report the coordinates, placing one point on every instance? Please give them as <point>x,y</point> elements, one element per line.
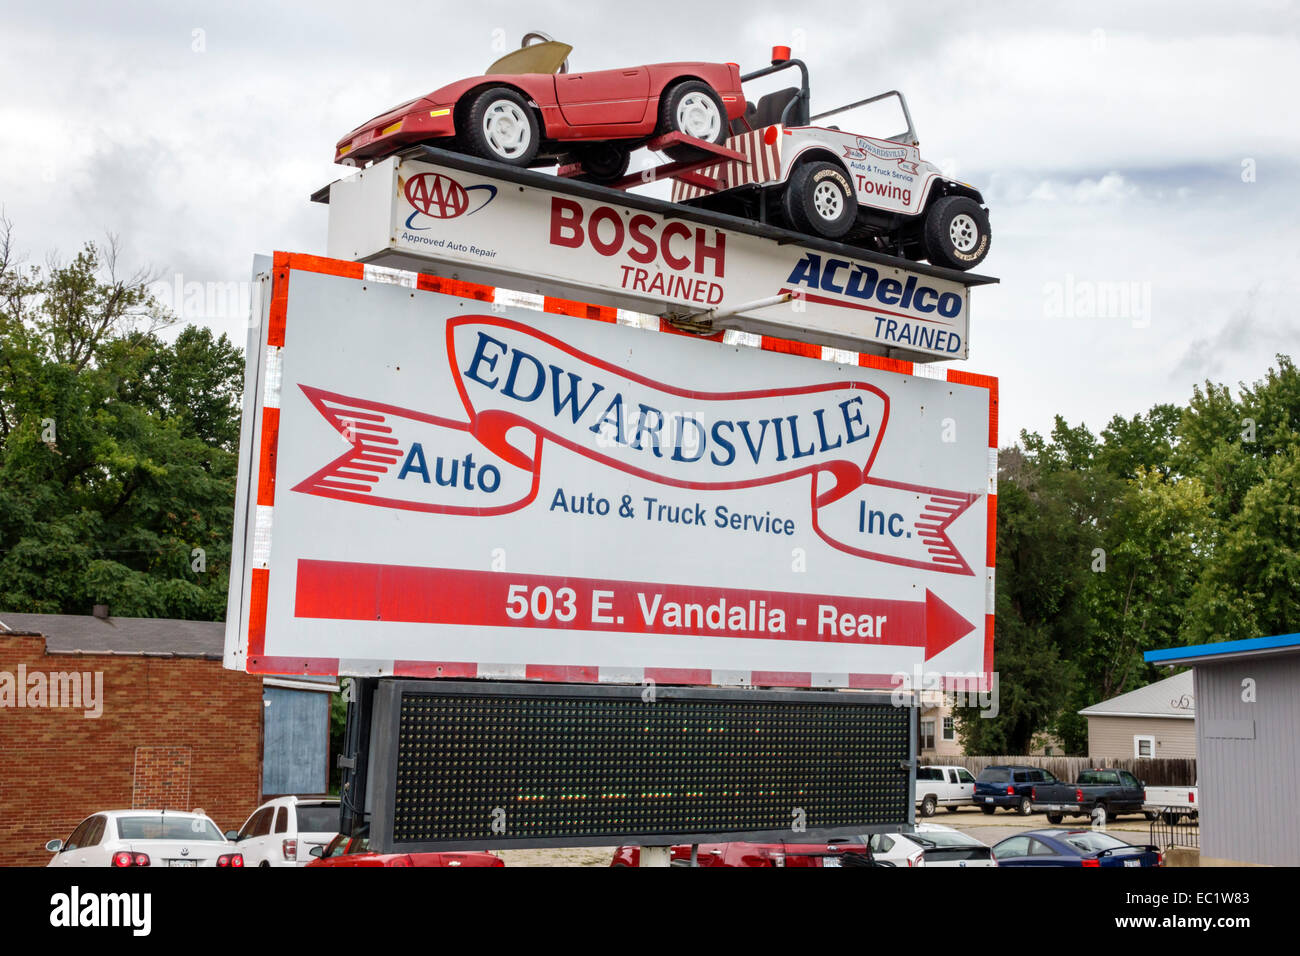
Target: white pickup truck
<point>1173,803</point>
<point>944,786</point>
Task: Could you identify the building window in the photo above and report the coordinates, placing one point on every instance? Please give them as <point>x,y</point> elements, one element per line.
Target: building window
<point>1144,746</point>
<point>927,733</point>
<point>949,729</point>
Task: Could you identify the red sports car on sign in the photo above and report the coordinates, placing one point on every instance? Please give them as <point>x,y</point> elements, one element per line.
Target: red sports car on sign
<point>528,110</point>
<point>355,851</point>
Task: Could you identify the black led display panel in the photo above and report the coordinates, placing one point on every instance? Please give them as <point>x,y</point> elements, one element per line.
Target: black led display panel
<point>465,765</point>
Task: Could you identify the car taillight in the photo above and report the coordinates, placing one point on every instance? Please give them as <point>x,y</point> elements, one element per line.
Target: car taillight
<point>140,859</point>
<point>123,858</point>
<point>1033,793</point>
<point>1092,863</point>
<point>1160,858</point>
<point>1191,797</point>
<point>1078,796</point>
<point>290,848</point>
<point>231,859</point>
<point>918,860</point>
<point>1011,791</point>
<point>1144,795</point>
<point>400,861</point>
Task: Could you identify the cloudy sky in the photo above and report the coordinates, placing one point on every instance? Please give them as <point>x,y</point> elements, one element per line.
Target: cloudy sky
<point>1151,149</point>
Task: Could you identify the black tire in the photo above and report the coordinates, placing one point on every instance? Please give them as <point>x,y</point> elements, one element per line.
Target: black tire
<point>819,200</point>
<point>516,124</point>
<point>953,809</point>
<point>988,811</point>
<point>671,119</point>
<point>1055,818</point>
<point>1025,807</point>
<point>956,234</point>
<point>927,807</point>
<point>604,162</point>
<point>1172,818</point>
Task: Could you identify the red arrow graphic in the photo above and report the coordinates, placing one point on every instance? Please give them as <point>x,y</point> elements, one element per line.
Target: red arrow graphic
<point>351,591</point>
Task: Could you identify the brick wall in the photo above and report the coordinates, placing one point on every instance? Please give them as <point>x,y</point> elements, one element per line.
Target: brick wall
<point>182,731</point>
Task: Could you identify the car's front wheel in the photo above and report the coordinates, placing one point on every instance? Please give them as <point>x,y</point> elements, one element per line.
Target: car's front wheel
<point>819,200</point>
<point>927,807</point>
<point>500,125</point>
<point>956,233</point>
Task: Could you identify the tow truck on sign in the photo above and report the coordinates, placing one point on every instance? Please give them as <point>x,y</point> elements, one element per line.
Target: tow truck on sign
<point>823,181</point>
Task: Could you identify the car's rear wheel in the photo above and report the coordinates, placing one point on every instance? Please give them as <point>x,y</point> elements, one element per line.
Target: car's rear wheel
<point>1025,807</point>
<point>927,807</point>
<point>500,125</point>
<point>1172,817</point>
<point>695,109</point>
<point>956,233</point>
<point>1055,818</point>
<point>819,200</point>
<point>988,810</point>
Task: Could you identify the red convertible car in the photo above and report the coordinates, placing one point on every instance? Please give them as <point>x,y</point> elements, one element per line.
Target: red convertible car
<point>839,853</point>
<point>528,110</point>
<point>355,851</point>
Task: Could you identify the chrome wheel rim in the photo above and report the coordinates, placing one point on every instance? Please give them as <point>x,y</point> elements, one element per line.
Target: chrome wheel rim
<point>828,201</point>
<point>963,232</point>
<point>506,129</point>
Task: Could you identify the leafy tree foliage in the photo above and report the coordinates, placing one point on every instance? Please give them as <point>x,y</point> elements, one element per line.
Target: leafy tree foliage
<point>1177,526</point>
<point>117,447</point>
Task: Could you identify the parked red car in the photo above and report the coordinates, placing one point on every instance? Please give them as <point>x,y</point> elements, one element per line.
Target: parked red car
<point>355,851</point>
<point>528,110</point>
<point>758,854</point>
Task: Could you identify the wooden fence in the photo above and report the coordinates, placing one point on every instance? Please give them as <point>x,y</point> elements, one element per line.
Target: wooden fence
<point>1153,771</point>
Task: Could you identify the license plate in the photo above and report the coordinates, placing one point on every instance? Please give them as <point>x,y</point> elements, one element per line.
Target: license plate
<point>830,861</point>
<point>988,799</point>
<point>182,862</point>
<point>1132,862</point>
<point>1055,806</point>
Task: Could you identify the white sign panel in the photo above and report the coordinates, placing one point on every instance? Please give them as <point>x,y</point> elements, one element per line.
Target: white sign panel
<point>414,215</point>
<point>448,487</point>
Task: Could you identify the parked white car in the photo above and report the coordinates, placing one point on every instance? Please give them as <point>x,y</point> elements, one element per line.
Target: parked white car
<point>145,838</point>
<point>933,844</point>
<point>1173,803</point>
<point>950,787</point>
<point>282,831</point>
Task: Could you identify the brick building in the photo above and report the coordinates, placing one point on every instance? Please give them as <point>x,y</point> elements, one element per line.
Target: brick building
<point>128,712</point>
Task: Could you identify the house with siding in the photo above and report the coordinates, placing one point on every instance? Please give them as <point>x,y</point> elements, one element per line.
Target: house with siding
<point>1248,695</point>
<point>1158,720</point>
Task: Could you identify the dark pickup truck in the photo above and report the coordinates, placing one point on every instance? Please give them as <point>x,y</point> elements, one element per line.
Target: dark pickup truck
<point>1100,794</point>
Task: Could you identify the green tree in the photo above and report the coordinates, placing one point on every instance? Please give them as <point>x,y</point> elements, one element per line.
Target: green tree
<point>117,448</point>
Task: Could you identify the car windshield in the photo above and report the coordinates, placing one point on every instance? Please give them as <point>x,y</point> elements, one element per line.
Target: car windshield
<point>1090,841</point>
<point>162,827</point>
<point>318,818</point>
<point>992,775</point>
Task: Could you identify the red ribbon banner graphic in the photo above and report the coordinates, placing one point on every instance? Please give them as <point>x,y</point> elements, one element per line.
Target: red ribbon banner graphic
<point>521,389</point>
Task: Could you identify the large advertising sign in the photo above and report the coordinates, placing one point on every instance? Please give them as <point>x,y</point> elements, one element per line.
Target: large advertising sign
<point>414,215</point>
<point>439,485</point>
